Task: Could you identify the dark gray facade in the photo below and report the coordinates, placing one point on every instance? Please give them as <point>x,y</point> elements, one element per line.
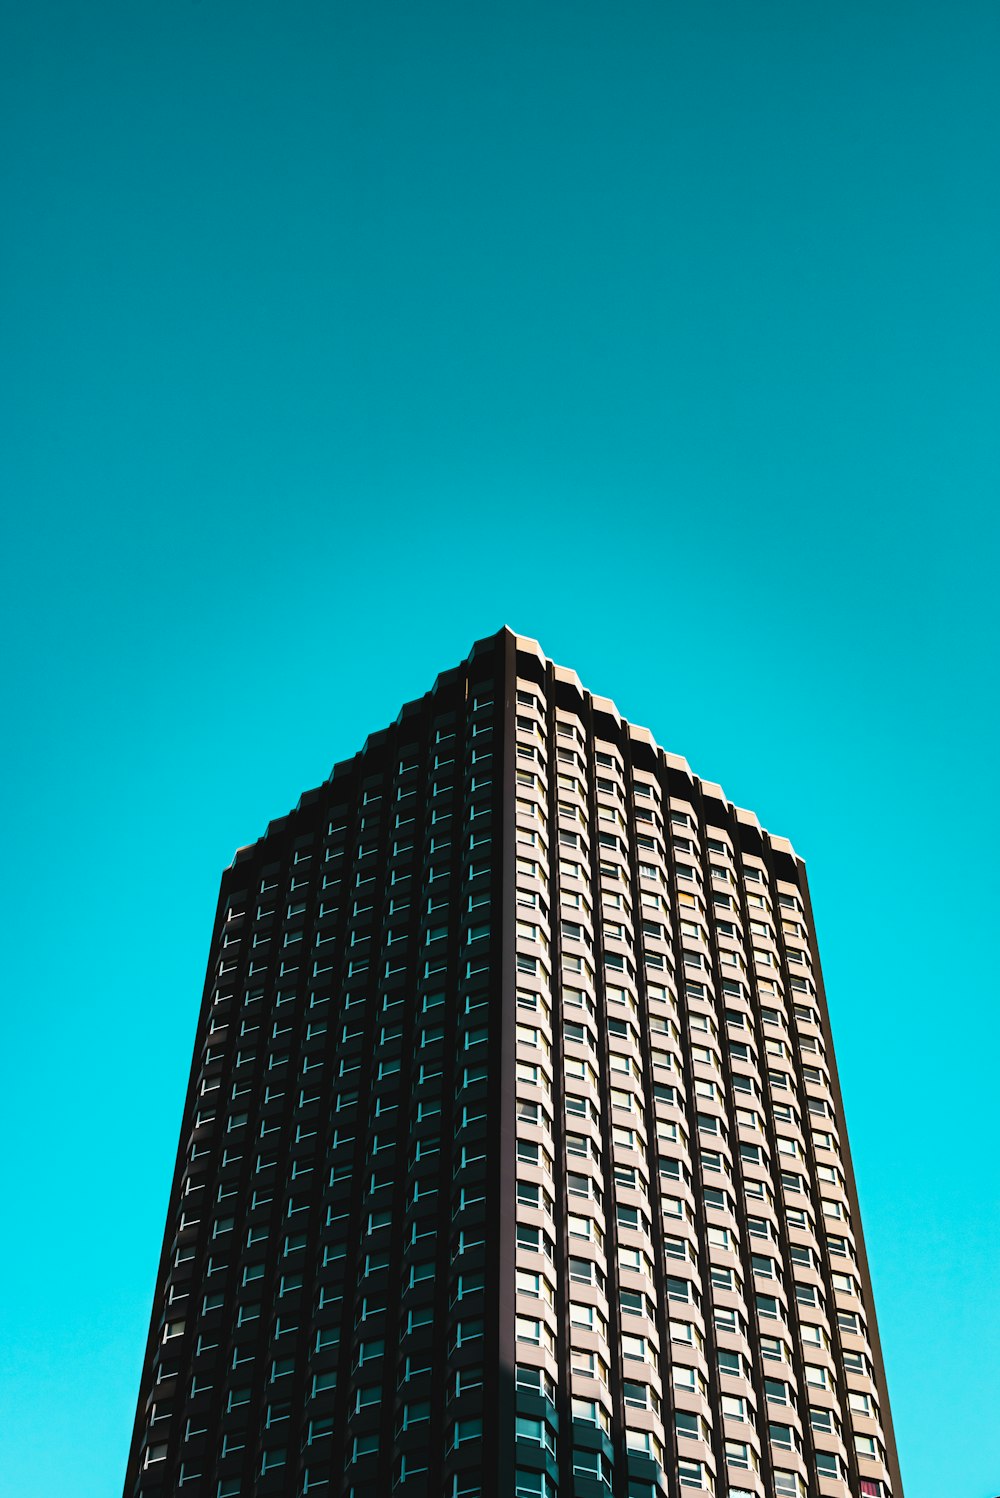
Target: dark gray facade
<point>513,1159</point>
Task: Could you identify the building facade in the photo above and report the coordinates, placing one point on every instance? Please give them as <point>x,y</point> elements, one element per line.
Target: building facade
<point>513,1161</point>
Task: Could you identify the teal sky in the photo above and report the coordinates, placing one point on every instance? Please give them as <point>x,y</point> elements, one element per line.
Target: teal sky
<point>334,336</point>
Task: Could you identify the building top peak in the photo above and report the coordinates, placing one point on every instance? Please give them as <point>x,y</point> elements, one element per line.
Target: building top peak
<point>566,678</point>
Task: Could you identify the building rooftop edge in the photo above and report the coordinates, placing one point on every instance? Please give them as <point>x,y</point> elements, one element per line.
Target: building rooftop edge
<point>564,674</point>
<point>645,735</point>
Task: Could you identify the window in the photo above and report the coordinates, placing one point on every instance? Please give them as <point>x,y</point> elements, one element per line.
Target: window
<point>588,1318</point>
<point>688,1378</point>
<point>686,1333</point>
<point>732,1363</point>
<point>788,1484</point>
<point>681,1290</point>
<point>691,1426</point>
<point>538,1432</point>
<point>364,1446</point>
<point>529,1283</point>
<point>635,1347</point>
<point>464,1431</point>
<point>734,1407</point>
<point>368,1351</point>
<point>824,1420</point>
<point>470,1330</point>
<point>728,1319</point>
<point>586,1228</point>
<point>532,1331</point>
<point>694,1475</point>
<point>535,1381</point>
<point>740,1454</point>
<point>592,1464</point>
<point>641,1396</point>
<point>532,1485</point>
<point>586,1272</point>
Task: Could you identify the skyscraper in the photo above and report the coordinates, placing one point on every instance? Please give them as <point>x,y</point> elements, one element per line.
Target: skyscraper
<point>513,1162</point>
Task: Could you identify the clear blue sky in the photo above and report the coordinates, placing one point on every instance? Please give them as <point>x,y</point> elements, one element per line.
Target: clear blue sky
<point>334,336</point>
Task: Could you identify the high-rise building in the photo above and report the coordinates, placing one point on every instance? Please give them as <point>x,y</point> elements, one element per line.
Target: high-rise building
<point>513,1162</point>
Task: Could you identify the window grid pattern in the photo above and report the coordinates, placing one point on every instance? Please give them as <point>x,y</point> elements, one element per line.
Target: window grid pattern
<point>321,1320</point>
<point>690,1296</point>
<point>513,1153</point>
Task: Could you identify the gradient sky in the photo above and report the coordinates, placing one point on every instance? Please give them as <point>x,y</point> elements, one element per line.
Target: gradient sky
<point>337,335</point>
